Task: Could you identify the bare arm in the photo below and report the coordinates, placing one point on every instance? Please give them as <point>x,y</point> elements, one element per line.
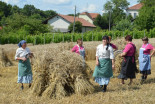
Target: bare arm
<point>123,54</point>
<point>113,64</point>
<point>152,52</point>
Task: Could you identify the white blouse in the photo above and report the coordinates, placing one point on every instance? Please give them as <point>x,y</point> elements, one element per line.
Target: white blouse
<point>101,52</point>
<point>20,52</point>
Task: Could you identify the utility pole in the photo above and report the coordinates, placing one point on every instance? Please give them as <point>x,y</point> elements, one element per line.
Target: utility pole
<point>74,23</point>
<point>74,20</point>
<point>109,18</point>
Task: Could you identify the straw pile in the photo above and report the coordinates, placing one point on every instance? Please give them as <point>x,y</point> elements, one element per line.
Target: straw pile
<point>120,43</point>
<point>4,61</point>
<point>59,74</point>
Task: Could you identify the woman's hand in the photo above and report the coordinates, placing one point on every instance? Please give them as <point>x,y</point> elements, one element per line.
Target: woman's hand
<point>31,55</point>
<point>24,59</point>
<point>97,63</point>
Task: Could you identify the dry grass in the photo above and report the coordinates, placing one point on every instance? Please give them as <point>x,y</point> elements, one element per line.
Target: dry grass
<point>4,60</point>
<point>10,92</point>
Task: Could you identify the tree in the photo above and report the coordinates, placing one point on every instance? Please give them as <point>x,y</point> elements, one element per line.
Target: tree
<point>101,21</point>
<point>5,10</point>
<point>49,13</point>
<point>29,10</point>
<point>123,25</point>
<point>146,18</point>
<point>116,8</point>
<point>78,27</point>
<point>32,26</point>
<point>15,9</point>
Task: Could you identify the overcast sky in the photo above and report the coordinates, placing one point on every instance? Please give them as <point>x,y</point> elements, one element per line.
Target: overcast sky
<point>65,6</point>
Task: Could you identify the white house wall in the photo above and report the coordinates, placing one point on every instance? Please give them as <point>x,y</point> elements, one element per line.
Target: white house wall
<point>58,23</point>
<point>85,29</point>
<point>132,13</point>
<point>86,18</point>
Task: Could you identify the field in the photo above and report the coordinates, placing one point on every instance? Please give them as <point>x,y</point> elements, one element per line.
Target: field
<point>136,93</point>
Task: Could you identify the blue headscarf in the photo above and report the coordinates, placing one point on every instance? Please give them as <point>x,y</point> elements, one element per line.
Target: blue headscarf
<point>21,43</point>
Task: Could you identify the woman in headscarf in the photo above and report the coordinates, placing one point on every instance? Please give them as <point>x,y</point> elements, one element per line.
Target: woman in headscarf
<point>79,49</point>
<point>145,58</point>
<point>104,63</point>
<point>128,67</point>
<point>111,44</point>
<point>24,67</point>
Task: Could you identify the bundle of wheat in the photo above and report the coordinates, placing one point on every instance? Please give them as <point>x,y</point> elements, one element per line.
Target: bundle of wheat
<point>4,61</point>
<point>59,74</point>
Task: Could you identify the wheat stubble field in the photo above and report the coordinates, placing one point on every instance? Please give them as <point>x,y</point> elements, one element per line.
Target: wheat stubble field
<point>10,92</point>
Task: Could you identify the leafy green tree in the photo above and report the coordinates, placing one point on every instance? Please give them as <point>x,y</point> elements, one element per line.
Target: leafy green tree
<point>123,25</point>
<point>29,10</point>
<point>101,21</point>
<point>32,26</point>
<point>116,8</point>
<point>15,9</point>
<point>49,13</point>
<point>78,27</point>
<point>130,18</point>
<point>146,18</point>
<point>5,10</point>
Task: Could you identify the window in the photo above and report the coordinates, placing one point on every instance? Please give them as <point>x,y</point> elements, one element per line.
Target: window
<point>135,14</point>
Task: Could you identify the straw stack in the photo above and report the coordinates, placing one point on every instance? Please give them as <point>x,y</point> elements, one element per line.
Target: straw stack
<point>60,73</point>
<point>4,61</point>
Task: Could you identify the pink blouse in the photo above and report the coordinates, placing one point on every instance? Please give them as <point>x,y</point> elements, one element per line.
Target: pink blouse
<point>129,49</point>
<point>76,49</point>
<point>148,48</point>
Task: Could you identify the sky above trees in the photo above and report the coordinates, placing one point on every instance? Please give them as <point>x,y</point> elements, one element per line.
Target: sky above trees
<point>65,6</point>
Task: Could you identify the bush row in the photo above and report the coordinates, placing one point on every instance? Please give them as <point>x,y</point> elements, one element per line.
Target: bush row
<point>67,37</point>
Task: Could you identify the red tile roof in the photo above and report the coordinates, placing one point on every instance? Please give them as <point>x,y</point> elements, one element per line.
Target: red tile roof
<point>136,7</point>
<point>94,15</point>
<point>91,15</point>
<point>71,19</point>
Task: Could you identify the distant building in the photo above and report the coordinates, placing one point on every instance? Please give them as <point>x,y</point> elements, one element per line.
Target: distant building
<point>90,17</point>
<point>61,23</point>
<point>134,10</point>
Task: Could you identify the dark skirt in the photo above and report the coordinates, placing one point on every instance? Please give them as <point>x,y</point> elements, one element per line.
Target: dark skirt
<point>128,68</point>
<point>146,72</point>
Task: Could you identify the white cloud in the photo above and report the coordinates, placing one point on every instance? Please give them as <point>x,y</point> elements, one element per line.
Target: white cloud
<point>90,8</point>
<point>7,1</point>
<point>57,2</point>
<point>12,1</point>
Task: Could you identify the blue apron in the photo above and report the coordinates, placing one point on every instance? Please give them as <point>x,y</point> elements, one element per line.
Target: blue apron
<point>82,52</point>
<point>144,60</point>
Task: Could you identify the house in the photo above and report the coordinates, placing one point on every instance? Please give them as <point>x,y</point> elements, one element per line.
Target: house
<point>90,17</point>
<point>61,23</point>
<point>134,10</point>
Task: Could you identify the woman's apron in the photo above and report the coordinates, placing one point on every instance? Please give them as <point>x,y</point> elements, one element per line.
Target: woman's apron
<point>128,66</point>
<point>104,69</point>
<point>144,60</point>
<point>82,52</point>
<point>24,68</point>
